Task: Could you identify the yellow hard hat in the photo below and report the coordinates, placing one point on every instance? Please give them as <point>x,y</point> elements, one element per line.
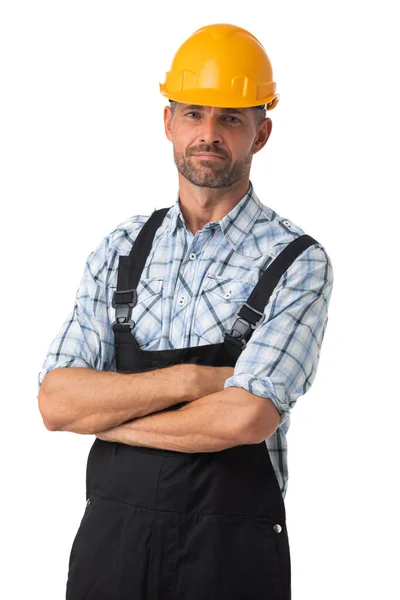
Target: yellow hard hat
<point>221,65</point>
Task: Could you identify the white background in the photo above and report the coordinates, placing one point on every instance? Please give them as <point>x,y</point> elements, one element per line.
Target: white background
<point>83,147</point>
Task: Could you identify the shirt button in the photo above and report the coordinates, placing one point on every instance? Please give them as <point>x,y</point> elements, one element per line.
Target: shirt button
<point>287,223</point>
<point>181,301</point>
<point>277,528</point>
<point>192,256</point>
<point>228,295</point>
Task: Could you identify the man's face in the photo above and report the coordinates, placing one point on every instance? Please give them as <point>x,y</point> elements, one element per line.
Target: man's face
<point>213,147</point>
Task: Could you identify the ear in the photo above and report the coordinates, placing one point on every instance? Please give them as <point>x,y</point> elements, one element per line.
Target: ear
<point>167,122</point>
<point>263,134</point>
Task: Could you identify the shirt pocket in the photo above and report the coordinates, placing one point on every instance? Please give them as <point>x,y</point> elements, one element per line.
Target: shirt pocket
<point>217,306</point>
<point>147,313</point>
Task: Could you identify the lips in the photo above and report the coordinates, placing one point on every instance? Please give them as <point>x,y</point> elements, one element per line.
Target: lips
<point>208,155</point>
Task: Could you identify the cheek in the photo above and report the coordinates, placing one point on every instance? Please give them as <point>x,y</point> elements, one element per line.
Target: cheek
<point>181,140</point>
<point>239,143</point>
<point>241,151</point>
<point>247,145</point>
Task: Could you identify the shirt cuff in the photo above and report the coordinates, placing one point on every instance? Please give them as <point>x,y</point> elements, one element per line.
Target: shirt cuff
<point>261,387</point>
<point>76,362</point>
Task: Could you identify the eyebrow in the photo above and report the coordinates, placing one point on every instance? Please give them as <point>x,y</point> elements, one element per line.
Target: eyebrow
<point>236,111</point>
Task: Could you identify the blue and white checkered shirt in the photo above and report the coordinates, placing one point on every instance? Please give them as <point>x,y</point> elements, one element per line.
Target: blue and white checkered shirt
<point>190,289</point>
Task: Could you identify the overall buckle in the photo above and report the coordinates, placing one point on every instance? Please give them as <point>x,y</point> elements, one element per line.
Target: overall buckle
<point>123,309</point>
<point>242,328</point>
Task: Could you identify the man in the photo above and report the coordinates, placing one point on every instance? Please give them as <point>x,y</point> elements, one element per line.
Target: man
<point>193,333</point>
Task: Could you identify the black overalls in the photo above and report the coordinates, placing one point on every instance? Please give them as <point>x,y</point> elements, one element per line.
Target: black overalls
<point>166,525</point>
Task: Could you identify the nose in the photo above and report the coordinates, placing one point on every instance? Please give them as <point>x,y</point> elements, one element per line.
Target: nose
<point>210,132</point>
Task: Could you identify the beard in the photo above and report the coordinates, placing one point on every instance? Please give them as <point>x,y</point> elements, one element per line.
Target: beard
<point>212,173</point>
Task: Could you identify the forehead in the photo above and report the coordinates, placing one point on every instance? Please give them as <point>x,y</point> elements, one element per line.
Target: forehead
<point>239,111</point>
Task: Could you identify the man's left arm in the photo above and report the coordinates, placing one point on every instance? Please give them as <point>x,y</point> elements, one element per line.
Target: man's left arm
<point>212,423</point>
<point>280,361</point>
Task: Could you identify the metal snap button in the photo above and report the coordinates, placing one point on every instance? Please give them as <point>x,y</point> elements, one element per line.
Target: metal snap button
<point>88,502</point>
<point>277,528</point>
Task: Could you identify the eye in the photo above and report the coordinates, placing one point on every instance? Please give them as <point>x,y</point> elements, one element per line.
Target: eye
<point>192,112</point>
<point>231,117</point>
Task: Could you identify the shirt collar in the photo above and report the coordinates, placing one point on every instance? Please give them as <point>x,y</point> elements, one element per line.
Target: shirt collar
<point>235,225</point>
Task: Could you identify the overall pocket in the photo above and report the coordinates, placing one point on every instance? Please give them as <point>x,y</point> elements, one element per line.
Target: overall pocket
<point>227,557</point>
<point>95,562</point>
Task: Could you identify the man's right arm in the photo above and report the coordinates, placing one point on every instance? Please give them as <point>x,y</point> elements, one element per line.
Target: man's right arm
<point>87,401</point>
<point>79,387</point>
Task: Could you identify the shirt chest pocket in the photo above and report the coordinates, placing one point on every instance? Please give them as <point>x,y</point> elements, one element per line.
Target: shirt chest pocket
<point>147,313</point>
<point>217,307</point>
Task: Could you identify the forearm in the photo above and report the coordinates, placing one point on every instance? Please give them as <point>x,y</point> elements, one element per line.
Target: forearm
<point>211,423</point>
<point>86,400</point>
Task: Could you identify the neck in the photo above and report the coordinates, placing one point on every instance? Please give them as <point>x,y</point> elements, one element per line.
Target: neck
<point>201,205</point>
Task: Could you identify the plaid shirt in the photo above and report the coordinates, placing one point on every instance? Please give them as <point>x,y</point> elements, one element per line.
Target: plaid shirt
<point>190,289</point>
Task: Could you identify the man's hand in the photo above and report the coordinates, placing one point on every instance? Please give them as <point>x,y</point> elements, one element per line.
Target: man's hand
<point>209,380</point>
<point>108,436</point>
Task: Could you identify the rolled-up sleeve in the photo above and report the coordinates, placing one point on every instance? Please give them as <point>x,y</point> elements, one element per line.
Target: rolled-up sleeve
<point>281,358</point>
<point>85,339</point>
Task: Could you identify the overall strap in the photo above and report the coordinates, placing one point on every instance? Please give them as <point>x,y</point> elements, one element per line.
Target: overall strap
<point>129,271</point>
<point>251,313</point>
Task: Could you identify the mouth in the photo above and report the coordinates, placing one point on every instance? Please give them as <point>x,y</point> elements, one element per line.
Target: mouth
<point>209,155</point>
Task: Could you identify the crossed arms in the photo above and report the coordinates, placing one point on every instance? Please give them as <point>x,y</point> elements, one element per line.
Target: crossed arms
<point>128,408</point>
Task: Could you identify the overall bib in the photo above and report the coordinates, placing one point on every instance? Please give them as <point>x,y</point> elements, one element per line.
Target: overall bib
<point>166,525</point>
